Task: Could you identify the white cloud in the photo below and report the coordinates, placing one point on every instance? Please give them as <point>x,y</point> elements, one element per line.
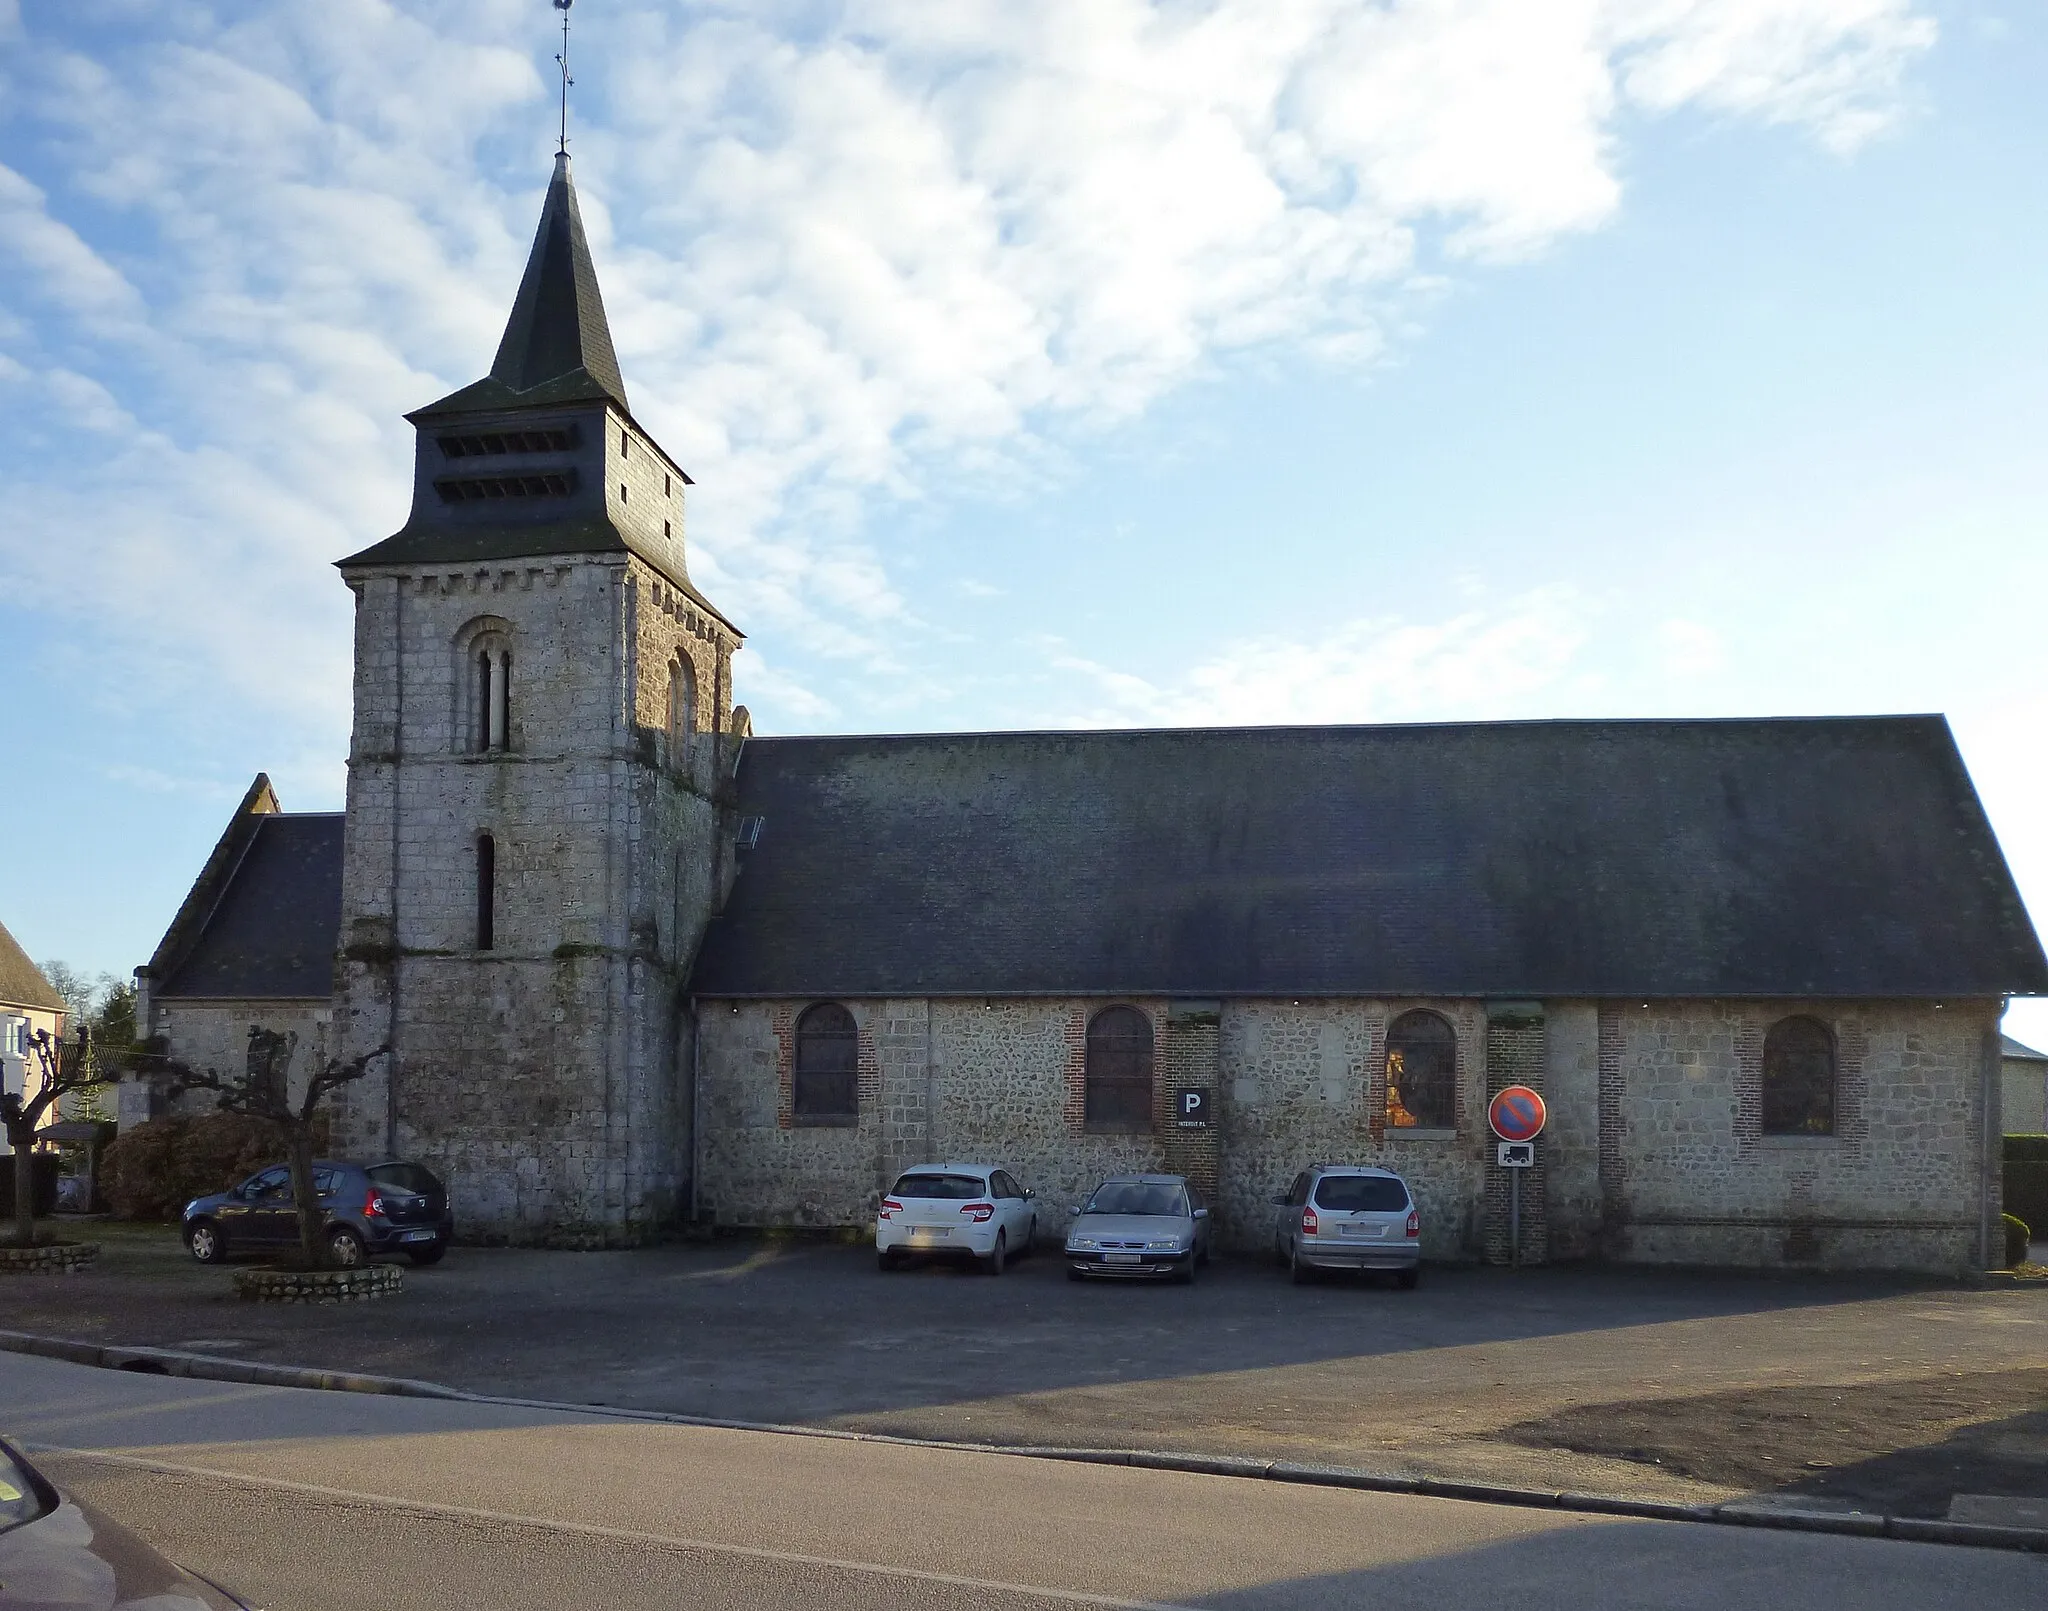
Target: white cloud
<point>1482,663</point>
<point>1690,649</point>
<point>842,256</point>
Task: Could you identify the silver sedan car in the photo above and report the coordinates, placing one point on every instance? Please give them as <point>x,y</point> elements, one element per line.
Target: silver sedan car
<point>1149,1227</point>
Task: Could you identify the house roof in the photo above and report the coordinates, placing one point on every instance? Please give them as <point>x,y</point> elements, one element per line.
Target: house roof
<point>21,982</point>
<point>2013,1052</point>
<point>264,916</point>
<point>1831,857</point>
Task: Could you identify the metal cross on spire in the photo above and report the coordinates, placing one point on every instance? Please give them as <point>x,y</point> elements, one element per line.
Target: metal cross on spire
<point>562,61</point>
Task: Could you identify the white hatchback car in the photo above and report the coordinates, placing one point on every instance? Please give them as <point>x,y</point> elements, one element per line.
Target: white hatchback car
<point>961,1209</point>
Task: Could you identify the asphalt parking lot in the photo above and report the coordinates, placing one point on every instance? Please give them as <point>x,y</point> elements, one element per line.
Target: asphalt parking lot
<point>1651,1382</point>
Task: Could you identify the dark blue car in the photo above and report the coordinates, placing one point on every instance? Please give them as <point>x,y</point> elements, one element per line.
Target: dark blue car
<point>370,1209</point>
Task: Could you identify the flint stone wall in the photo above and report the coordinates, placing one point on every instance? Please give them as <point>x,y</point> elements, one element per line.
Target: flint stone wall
<point>1653,1153</point>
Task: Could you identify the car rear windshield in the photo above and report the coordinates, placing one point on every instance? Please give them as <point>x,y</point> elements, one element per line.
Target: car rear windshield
<point>1137,1197</point>
<point>404,1177</point>
<point>946,1188</point>
<point>1350,1194</point>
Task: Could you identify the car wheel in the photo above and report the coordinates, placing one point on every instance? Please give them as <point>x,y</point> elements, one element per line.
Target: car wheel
<point>205,1243</point>
<point>994,1263</point>
<point>1407,1279</point>
<point>1076,1275</point>
<point>1297,1272</point>
<point>886,1259</point>
<point>1185,1275</point>
<point>428,1254</point>
<point>346,1249</point>
<point>1202,1252</point>
<point>1031,1235</point>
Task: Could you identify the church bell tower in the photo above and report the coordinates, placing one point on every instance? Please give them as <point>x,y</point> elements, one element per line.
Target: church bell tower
<point>540,762</point>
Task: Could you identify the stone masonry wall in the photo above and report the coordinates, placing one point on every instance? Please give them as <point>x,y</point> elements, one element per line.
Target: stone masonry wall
<point>215,1034</point>
<point>1692,1178</point>
<point>541,1078</point>
<point>1653,1151</point>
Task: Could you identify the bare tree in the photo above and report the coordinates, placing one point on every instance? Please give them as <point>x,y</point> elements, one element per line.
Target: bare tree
<point>66,1066</point>
<point>262,1090</point>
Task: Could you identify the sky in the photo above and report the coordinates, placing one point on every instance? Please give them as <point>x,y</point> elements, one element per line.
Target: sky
<point>1085,363</point>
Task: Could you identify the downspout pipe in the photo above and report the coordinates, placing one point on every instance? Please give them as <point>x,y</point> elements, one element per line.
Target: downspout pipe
<point>696,1106</point>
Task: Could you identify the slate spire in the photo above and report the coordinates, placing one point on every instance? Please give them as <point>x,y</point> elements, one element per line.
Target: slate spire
<point>558,326</point>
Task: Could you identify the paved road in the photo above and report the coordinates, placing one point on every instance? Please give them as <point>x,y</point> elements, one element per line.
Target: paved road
<point>1347,1373</point>
<point>314,1500</point>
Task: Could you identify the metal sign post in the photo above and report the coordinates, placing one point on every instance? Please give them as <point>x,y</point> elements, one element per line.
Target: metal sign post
<point>1517,1115</point>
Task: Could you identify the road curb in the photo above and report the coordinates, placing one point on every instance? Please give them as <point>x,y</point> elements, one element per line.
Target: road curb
<point>1735,1513</point>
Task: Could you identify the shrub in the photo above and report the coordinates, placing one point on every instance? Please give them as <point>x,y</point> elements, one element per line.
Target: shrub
<point>155,1169</point>
<point>2017,1236</point>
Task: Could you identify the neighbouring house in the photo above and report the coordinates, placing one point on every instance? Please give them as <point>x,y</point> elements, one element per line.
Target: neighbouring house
<point>29,1004</point>
<point>252,946</point>
<point>636,966</point>
<point>2023,1075</point>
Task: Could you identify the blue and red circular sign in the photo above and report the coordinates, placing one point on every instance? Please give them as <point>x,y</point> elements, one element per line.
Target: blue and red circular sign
<point>1517,1114</point>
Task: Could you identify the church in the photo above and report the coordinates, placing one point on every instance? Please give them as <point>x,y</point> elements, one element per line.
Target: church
<point>636,968</point>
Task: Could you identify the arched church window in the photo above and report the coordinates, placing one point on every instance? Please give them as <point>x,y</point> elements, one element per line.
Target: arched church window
<point>490,693</point>
<point>1422,1072</point>
<point>1799,1079</point>
<point>826,1086</point>
<point>682,710</point>
<point>1118,1095</point>
<point>486,892</point>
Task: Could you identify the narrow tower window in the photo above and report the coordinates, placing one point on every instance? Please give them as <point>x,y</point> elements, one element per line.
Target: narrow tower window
<point>483,716</point>
<point>483,699</point>
<point>486,891</point>
<point>682,711</point>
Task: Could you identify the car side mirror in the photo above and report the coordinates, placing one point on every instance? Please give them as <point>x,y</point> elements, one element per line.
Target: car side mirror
<point>1201,1213</point>
<point>1076,1210</point>
<point>1029,1194</point>
<point>1278,1199</point>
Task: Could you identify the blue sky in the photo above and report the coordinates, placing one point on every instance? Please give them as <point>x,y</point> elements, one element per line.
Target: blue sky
<point>1099,362</point>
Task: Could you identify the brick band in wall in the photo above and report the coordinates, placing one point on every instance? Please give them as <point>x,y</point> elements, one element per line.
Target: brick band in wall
<point>1515,1052</point>
<point>1190,1064</point>
<point>1613,1187</point>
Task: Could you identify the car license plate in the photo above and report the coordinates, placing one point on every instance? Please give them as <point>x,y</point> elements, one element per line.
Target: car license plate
<point>1365,1230</point>
<point>417,1236</point>
<point>929,1233</point>
<point>1119,1258</point>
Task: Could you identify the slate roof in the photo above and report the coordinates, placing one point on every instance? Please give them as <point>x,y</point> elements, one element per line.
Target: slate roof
<point>1833,857</point>
<point>2014,1052</point>
<point>557,345</point>
<point>271,926</point>
<point>21,982</point>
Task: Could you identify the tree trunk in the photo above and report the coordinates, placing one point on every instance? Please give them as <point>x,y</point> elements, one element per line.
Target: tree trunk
<point>312,1222</point>
<point>22,1139</point>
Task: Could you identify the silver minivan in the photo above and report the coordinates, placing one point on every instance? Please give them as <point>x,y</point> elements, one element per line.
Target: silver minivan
<point>1342,1217</point>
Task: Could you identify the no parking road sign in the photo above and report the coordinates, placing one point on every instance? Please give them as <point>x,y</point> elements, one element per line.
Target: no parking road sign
<point>1517,1114</point>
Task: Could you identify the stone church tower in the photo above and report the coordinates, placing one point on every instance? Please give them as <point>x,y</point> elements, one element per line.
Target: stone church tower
<point>540,766</point>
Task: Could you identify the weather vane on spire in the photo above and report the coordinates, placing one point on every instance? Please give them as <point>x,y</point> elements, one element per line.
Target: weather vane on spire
<point>562,61</point>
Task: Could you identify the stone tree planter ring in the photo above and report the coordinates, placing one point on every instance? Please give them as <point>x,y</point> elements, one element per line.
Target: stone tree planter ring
<point>320,1286</point>
<point>48,1258</point>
